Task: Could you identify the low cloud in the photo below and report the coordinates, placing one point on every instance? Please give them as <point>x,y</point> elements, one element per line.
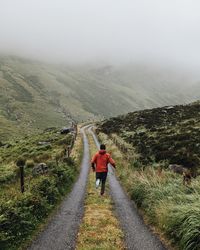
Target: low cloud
<point>152,31</point>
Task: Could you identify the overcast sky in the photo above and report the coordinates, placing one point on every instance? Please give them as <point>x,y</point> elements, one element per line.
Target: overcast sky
<point>166,31</point>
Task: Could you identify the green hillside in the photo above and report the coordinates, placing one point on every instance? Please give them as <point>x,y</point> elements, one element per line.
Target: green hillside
<point>35,95</point>
<point>168,134</point>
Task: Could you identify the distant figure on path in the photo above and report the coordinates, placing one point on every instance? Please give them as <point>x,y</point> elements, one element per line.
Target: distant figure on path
<point>99,164</point>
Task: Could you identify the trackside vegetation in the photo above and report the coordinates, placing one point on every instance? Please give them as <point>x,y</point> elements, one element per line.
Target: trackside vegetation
<point>169,207</point>
<point>21,215</point>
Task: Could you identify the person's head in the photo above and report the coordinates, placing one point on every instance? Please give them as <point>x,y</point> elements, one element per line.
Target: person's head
<point>102,147</point>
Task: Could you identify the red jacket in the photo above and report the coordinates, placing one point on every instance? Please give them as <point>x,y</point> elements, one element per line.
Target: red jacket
<point>101,160</point>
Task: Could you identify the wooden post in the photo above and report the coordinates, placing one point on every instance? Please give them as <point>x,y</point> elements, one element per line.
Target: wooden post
<point>22,178</point>
<point>72,144</point>
<point>68,151</point>
<point>21,163</point>
<point>76,130</point>
<point>65,150</point>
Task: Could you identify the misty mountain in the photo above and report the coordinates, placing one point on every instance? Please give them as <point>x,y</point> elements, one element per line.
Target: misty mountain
<point>36,95</point>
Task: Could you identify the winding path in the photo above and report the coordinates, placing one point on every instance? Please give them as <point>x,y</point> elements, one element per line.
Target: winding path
<point>61,232</point>
<point>137,235</point>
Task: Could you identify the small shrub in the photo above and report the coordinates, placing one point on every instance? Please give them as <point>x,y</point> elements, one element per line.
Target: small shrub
<point>30,163</point>
<point>19,218</point>
<point>64,141</point>
<point>139,193</point>
<point>64,176</point>
<point>137,164</point>
<point>69,161</point>
<point>7,173</point>
<point>44,157</point>
<point>46,188</point>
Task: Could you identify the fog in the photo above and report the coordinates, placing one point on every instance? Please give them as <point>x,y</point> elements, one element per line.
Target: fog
<point>118,31</point>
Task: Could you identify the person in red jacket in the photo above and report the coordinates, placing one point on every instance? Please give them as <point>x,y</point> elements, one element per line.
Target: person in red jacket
<point>99,164</point>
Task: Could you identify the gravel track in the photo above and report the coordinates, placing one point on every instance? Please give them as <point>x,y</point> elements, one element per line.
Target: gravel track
<point>61,232</point>
<point>137,235</point>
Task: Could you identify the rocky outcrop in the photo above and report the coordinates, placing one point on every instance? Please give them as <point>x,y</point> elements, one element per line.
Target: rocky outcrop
<point>39,169</point>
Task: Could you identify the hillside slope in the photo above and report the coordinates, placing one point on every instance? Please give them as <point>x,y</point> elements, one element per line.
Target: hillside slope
<point>168,134</point>
<point>35,95</point>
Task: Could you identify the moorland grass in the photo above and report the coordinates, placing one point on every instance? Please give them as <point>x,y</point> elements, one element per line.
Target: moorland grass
<point>164,201</point>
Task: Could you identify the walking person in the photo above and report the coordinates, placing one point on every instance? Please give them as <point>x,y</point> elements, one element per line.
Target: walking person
<point>99,165</point>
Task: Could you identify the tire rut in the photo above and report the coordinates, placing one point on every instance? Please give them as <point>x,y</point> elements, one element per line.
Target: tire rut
<point>61,231</point>
<point>137,235</point>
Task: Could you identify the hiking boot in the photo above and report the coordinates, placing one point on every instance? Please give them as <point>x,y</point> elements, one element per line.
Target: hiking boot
<point>97,183</point>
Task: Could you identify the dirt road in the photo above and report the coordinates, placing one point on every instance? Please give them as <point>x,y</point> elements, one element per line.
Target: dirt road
<point>61,232</point>
<point>137,235</point>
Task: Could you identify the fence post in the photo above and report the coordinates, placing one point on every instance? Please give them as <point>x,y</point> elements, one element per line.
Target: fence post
<point>22,178</point>
<point>65,150</point>
<point>68,151</point>
<point>76,130</point>
<point>21,163</point>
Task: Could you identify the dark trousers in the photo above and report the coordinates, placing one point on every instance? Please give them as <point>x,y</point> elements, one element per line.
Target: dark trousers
<point>102,176</point>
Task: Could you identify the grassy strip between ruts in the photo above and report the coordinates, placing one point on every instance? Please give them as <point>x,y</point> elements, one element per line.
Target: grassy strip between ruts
<point>100,228</point>
<point>168,206</point>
